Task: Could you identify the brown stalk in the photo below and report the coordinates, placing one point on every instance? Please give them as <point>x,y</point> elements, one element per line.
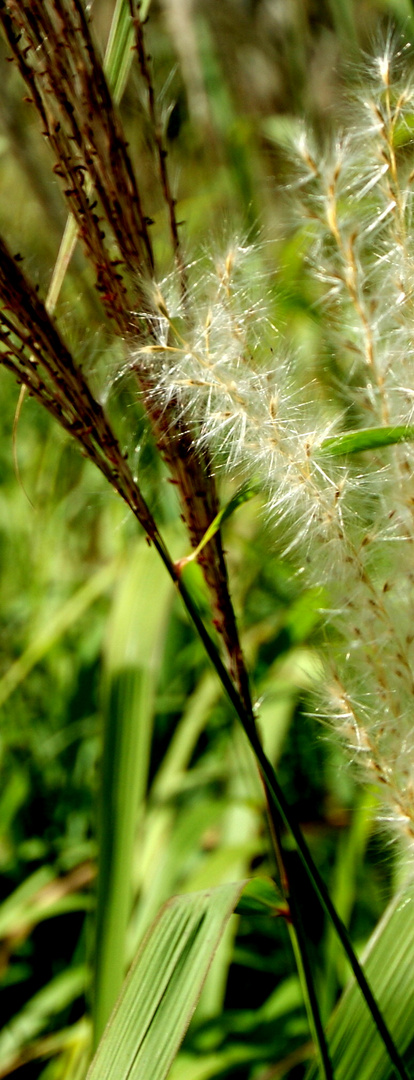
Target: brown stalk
<point>51,43</point>
<point>34,351</point>
<point>160,149</point>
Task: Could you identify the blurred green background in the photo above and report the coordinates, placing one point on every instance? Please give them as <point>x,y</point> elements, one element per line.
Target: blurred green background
<point>89,628</point>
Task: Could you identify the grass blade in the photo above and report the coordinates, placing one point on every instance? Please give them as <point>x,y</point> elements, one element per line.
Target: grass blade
<point>358,1052</point>
<point>163,987</point>
<point>242,495</point>
<point>59,993</point>
<point>56,626</point>
<point>353,442</point>
<point>130,674</point>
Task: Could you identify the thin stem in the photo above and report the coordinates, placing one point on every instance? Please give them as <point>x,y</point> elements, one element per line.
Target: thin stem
<point>299,939</point>
<point>160,149</point>
<point>281,806</point>
<point>320,888</point>
<point>298,936</point>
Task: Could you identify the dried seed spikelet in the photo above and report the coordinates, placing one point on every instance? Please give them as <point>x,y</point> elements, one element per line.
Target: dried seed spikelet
<point>351,524</point>
<point>54,51</point>
<point>251,417</point>
<point>358,200</point>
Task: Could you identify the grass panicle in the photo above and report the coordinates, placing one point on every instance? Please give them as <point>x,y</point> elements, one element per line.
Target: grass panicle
<point>347,521</point>
<point>101,191</point>
<point>218,386</point>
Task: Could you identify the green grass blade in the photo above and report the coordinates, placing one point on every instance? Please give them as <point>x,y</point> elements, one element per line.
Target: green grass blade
<point>130,675</point>
<point>69,1046</point>
<point>358,1052</point>
<point>14,907</point>
<point>59,993</point>
<point>163,987</point>
<point>41,896</point>
<point>353,442</point>
<point>262,893</point>
<point>162,851</point>
<point>118,53</point>
<point>343,15</point>
<point>57,625</point>
<point>241,496</point>
<point>172,771</point>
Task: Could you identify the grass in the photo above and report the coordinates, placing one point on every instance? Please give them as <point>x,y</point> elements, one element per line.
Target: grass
<point>103,675</point>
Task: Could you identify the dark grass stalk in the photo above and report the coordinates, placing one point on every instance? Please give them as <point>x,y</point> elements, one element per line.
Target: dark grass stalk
<point>37,356</point>
<point>300,946</point>
<point>297,935</point>
<point>33,350</point>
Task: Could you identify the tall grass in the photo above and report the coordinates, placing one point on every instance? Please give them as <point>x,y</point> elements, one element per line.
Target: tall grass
<point>217,389</point>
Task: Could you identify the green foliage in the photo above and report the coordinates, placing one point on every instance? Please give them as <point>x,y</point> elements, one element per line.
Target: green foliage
<point>118,754</point>
<point>356,1049</point>
<point>164,985</point>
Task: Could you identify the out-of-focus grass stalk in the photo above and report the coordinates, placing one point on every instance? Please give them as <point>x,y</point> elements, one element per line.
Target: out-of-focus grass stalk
<point>130,673</point>
<point>343,17</point>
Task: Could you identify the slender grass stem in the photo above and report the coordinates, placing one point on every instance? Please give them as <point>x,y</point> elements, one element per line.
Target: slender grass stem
<point>299,942</point>
<point>297,935</point>
<point>282,808</point>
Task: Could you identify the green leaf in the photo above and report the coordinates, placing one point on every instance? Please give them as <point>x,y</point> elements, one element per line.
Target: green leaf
<point>57,625</point>
<point>252,1040</point>
<point>242,495</point>
<point>56,996</point>
<point>163,987</point>
<point>132,657</point>
<point>118,53</point>
<point>353,442</point>
<point>357,1051</point>
<point>260,897</point>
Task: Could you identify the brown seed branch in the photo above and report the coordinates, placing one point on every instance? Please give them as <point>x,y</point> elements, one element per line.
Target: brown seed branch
<point>32,348</point>
<point>52,45</point>
<point>160,148</point>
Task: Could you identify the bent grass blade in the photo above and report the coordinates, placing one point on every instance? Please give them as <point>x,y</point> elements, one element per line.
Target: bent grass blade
<point>162,990</point>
